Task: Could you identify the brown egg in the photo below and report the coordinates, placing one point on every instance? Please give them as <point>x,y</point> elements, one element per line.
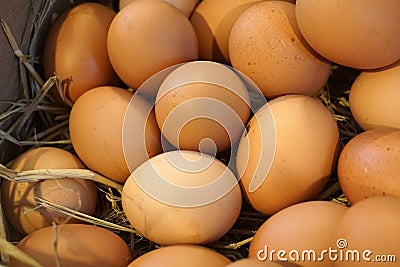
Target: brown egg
<point>186,6</point>
<point>202,106</point>
<point>375,98</point>
<point>75,54</point>
<point>266,45</point>
<point>354,34</point>
<point>251,262</point>
<point>287,153</point>
<point>147,36</point>
<point>185,192</point>
<point>213,21</point>
<point>98,124</point>
<point>181,256</point>
<point>368,234</point>
<point>309,226</point>
<point>18,199</point>
<point>75,245</point>
<point>369,165</point>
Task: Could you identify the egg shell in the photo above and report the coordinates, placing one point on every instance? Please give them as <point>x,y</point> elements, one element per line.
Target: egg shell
<point>375,98</point>
<point>369,229</point>
<point>305,226</point>
<point>77,245</point>
<point>97,124</point>
<point>300,141</point>
<point>181,256</point>
<point>363,36</point>
<point>185,6</point>
<point>213,21</point>
<point>184,192</point>
<point>20,206</point>
<point>202,100</point>
<point>75,54</point>
<point>147,36</point>
<point>251,262</point>
<point>368,165</point>
<point>265,43</point>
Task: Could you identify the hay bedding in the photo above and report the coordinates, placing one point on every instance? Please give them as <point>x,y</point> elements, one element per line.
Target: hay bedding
<point>36,120</point>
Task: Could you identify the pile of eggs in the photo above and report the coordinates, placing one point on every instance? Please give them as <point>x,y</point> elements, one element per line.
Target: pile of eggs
<point>160,90</point>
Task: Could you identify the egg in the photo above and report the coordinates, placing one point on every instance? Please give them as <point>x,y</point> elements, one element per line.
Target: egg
<point>368,234</point>
<point>287,153</point>
<point>309,226</point>
<point>375,98</point>
<point>202,106</point>
<point>362,36</point>
<point>147,36</point>
<point>75,54</point>
<point>251,262</point>
<point>185,6</point>
<point>265,43</point>
<point>109,124</point>
<point>18,199</point>
<point>75,245</point>
<point>213,21</point>
<point>181,256</point>
<point>368,165</point>
<point>182,191</point>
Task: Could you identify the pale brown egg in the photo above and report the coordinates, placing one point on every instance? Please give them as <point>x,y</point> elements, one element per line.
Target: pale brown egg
<point>20,205</point>
<point>202,106</point>
<point>251,262</point>
<point>363,35</point>
<point>288,153</point>
<point>375,98</point>
<point>368,234</point>
<point>75,245</point>
<point>213,21</point>
<point>147,36</point>
<point>186,6</point>
<point>107,127</point>
<point>76,49</point>
<point>182,197</point>
<point>181,256</point>
<point>369,165</point>
<point>265,43</point>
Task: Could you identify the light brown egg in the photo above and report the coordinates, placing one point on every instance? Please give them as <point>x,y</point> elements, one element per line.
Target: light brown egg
<point>18,199</point>
<point>288,153</point>
<point>186,6</point>
<point>266,45</point>
<point>309,226</point>
<point>202,106</point>
<point>213,21</point>
<point>76,245</point>
<point>181,256</point>
<point>375,98</point>
<point>182,197</point>
<point>77,55</point>
<point>350,33</point>
<point>368,234</point>
<point>147,36</point>
<point>98,123</point>
<point>369,165</point>
<point>251,262</point>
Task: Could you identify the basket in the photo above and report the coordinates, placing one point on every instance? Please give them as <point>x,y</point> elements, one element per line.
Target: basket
<point>28,22</point>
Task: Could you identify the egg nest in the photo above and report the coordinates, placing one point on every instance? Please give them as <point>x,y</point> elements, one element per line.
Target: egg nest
<point>36,119</point>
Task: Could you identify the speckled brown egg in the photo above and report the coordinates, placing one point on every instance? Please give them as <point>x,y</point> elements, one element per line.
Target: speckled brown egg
<point>369,165</point>
<point>147,36</point>
<point>75,245</point>
<point>375,98</point>
<point>76,49</point>
<point>306,226</point>
<point>18,199</point>
<point>364,35</point>
<point>266,44</point>
<point>288,152</point>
